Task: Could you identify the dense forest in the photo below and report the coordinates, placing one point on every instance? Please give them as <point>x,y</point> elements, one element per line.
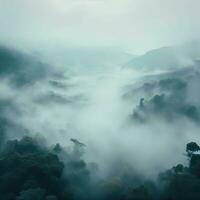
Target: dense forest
<point>29,171</point>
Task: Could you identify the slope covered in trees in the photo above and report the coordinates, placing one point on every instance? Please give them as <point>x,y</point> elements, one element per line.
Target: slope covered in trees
<point>29,170</point>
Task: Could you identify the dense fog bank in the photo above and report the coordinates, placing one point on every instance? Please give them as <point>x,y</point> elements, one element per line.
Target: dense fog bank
<point>99,128</point>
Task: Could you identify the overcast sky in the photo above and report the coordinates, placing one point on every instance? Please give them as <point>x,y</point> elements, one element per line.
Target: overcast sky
<point>133,25</point>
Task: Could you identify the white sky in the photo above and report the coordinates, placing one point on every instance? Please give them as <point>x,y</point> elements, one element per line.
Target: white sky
<point>135,25</point>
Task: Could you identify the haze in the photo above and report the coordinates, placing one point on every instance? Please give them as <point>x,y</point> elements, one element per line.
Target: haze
<point>132,25</point>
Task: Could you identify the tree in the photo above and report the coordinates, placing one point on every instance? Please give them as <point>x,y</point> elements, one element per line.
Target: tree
<point>192,147</point>
<point>32,194</point>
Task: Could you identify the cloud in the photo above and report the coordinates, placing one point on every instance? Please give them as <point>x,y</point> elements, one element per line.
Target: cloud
<point>136,25</point>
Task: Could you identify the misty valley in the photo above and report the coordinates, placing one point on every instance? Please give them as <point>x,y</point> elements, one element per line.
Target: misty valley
<point>100,124</point>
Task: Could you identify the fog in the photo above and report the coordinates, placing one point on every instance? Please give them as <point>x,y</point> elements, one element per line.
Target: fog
<point>107,93</point>
<point>135,26</point>
<point>96,106</point>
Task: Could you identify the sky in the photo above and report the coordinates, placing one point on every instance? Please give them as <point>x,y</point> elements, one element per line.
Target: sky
<point>131,25</point>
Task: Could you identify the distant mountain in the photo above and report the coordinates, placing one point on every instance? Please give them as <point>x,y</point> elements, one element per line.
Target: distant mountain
<point>20,68</point>
<point>87,59</point>
<point>171,57</point>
